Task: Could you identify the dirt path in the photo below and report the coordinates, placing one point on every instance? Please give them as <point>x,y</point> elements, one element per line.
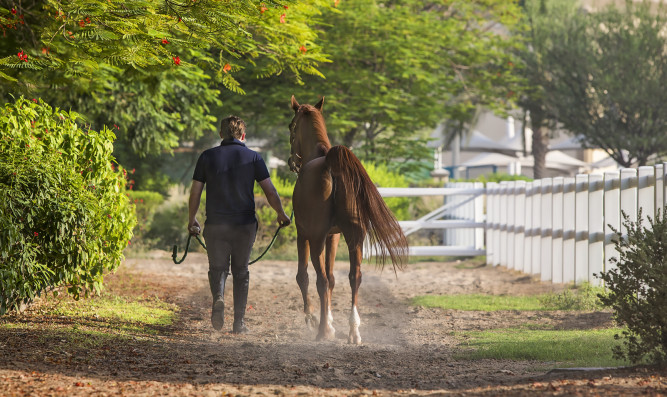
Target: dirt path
<point>406,350</point>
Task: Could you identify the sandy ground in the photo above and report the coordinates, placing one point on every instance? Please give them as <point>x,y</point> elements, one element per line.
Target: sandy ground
<point>406,350</point>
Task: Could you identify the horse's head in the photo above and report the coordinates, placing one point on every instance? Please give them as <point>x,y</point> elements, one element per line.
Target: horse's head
<point>296,128</point>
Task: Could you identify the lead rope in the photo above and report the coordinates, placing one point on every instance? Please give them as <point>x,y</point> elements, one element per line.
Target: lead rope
<point>174,253</point>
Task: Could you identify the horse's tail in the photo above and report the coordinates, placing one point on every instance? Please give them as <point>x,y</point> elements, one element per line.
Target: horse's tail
<point>375,218</point>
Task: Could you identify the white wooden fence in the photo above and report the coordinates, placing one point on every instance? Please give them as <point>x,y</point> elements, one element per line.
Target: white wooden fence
<point>461,217</point>
<point>560,228</point>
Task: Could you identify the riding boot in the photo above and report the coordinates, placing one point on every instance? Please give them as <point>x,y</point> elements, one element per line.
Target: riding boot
<point>240,302</point>
<point>217,280</point>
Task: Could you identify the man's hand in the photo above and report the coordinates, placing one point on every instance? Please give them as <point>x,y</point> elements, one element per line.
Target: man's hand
<point>283,220</point>
<point>194,228</point>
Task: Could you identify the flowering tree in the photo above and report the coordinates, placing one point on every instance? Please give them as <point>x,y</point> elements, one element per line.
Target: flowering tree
<point>152,67</point>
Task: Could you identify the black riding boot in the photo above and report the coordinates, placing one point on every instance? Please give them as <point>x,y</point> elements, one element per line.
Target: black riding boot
<point>216,280</point>
<point>240,302</point>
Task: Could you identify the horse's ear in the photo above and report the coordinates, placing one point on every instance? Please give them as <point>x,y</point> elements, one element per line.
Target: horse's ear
<point>319,104</point>
<point>295,104</point>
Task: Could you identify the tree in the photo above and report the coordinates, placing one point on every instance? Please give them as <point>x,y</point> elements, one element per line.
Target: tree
<point>397,68</point>
<point>152,68</point>
<point>606,80</point>
<point>544,18</point>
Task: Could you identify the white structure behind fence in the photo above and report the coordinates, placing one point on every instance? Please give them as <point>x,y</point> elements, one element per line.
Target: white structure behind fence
<point>561,228</point>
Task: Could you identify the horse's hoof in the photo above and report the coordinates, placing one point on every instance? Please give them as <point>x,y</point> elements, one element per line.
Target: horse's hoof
<point>354,338</point>
<point>326,335</point>
<point>311,322</point>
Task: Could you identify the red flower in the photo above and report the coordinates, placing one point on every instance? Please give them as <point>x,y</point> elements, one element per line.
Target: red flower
<point>226,68</point>
<point>165,41</point>
<point>262,9</point>
<point>286,7</point>
<point>87,20</point>
<point>336,3</point>
<point>13,10</point>
<point>23,56</point>
<point>34,100</point>
<point>82,23</point>
<point>133,169</point>
<point>45,50</point>
<point>177,60</point>
<point>36,234</point>
<point>282,18</point>
<point>303,49</point>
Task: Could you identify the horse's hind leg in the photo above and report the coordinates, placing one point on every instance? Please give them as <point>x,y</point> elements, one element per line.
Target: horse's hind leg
<point>354,336</point>
<point>302,280</point>
<point>318,258</point>
<point>331,247</point>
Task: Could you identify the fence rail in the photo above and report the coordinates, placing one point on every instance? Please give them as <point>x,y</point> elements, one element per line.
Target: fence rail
<point>561,228</point>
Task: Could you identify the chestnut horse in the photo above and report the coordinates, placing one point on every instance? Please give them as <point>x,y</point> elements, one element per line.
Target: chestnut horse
<point>334,194</point>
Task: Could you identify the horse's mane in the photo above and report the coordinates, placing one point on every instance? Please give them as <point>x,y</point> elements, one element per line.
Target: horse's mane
<point>319,127</point>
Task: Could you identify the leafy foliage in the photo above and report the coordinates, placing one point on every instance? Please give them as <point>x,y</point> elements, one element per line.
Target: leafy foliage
<point>604,80</point>
<point>63,208</point>
<point>637,283</point>
<point>146,204</point>
<point>398,68</point>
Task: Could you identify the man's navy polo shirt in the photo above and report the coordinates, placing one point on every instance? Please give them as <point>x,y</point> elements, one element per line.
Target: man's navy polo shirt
<point>230,171</point>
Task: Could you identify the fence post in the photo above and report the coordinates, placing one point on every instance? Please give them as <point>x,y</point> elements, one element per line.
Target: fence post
<point>546,234</point>
<point>511,223</point>
<point>479,217</point>
<point>519,223</point>
<point>581,229</point>
<point>612,215</point>
<point>646,193</point>
<point>659,187</point>
<point>503,223</point>
<point>628,196</point>
<point>537,228</point>
<point>595,227</point>
<point>528,229</point>
<point>557,226</point>
<point>568,229</point>
<point>490,223</point>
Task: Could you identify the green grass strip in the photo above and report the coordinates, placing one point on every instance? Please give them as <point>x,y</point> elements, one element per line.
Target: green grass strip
<point>563,348</point>
<point>479,302</point>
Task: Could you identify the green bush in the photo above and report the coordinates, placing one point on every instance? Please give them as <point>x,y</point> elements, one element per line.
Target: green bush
<point>581,297</point>
<point>63,208</point>
<point>495,177</point>
<point>382,177</point>
<point>637,284</point>
<point>146,203</point>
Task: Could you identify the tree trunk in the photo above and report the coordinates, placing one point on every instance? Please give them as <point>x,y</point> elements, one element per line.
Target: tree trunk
<point>540,147</point>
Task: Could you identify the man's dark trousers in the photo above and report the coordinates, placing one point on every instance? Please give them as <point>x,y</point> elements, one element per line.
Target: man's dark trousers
<point>229,246</point>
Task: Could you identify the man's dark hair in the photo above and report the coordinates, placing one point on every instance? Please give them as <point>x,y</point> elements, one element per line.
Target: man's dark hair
<point>232,127</point>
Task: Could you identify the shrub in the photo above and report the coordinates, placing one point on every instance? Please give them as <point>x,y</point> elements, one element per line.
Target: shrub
<point>146,203</point>
<point>582,297</point>
<point>637,284</point>
<point>382,177</point>
<point>63,208</point>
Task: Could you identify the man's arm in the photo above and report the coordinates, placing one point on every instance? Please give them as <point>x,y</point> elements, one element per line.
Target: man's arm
<point>193,206</point>
<point>274,201</point>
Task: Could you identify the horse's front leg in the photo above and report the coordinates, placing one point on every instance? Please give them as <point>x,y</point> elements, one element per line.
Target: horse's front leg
<point>318,258</point>
<point>354,336</point>
<point>331,247</point>
<point>302,280</point>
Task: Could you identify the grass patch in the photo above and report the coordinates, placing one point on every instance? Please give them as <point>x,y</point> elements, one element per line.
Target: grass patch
<point>572,348</point>
<point>150,311</point>
<point>583,297</point>
<point>479,302</point>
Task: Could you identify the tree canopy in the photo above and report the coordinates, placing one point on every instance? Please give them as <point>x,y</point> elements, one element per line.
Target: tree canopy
<point>396,68</point>
<point>606,77</point>
<point>152,69</point>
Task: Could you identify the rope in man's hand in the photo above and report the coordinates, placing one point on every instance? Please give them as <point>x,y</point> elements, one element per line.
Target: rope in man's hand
<point>194,231</point>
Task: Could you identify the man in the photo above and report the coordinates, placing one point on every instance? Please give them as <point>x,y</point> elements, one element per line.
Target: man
<point>230,170</point>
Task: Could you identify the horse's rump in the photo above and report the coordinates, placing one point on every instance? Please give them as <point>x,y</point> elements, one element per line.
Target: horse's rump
<point>375,218</point>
